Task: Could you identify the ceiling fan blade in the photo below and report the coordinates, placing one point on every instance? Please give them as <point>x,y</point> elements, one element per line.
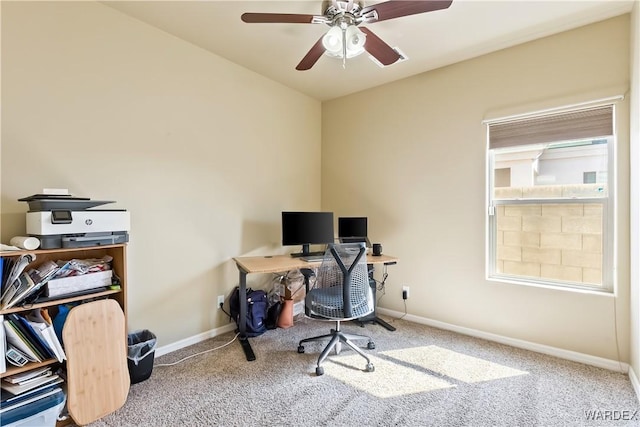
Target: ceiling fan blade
<point>288,18</point>
<point>379,49</point>
<point>312,56</point>
<point>396,9</point>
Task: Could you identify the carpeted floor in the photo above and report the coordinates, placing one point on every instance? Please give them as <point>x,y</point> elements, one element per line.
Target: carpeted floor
<point>423,377</point>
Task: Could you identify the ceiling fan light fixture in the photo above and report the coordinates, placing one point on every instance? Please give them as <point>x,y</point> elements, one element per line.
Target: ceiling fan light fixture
<point>332,41</point>
<point>354,40</point>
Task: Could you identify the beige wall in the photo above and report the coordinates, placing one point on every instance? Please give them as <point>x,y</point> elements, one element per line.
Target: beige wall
<point>203,153</point>
<point>412,158</point>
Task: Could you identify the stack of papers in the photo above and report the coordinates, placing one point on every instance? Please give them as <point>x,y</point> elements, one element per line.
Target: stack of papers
<point>29,283</point>
<point>23,382</point>
<point>14,285</point>
<point>23,284</point>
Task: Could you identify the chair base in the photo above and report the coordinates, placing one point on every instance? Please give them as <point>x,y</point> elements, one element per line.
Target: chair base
<point>337,337</point>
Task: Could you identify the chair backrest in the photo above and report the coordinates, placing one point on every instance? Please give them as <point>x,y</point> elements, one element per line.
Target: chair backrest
<point>341,290</point>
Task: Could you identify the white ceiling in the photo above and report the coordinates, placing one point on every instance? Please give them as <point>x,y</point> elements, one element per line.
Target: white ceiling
<point>468,28</point>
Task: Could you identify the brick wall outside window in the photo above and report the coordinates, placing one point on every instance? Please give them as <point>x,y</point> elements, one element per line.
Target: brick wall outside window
<point>553,241</point>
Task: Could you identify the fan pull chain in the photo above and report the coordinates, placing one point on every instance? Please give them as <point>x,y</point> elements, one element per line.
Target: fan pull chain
<point>344,47</point>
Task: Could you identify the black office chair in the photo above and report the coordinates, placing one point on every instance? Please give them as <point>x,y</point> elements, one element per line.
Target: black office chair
<point>341,292</point>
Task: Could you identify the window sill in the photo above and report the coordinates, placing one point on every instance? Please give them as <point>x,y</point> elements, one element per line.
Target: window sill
<point>554,287</point>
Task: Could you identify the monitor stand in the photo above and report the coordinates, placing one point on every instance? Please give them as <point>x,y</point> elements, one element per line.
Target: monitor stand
<point>306,252</point>
<point>302,254</point>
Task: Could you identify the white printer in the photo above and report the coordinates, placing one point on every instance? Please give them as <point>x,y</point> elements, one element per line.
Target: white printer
<point>71,222</point>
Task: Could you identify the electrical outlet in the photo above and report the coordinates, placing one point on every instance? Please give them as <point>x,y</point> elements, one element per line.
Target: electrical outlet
<point>405,292</point>
<point>220,300</point>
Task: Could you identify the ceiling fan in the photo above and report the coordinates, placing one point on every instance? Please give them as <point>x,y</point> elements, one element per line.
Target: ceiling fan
<point>346,37</point>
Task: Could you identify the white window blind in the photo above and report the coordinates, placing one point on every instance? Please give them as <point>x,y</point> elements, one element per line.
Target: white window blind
<point>576,124</point>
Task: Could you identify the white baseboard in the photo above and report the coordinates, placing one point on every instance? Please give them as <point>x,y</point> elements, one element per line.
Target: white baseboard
<point>635,382</point>
<point>160,351</point>
<point>612,365</point>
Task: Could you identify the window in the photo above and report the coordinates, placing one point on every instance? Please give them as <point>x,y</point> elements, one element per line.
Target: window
<point>550,216</point>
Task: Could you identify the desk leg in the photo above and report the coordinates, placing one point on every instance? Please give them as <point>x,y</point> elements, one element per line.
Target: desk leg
<point>384,324</point>
<point>242,324</point>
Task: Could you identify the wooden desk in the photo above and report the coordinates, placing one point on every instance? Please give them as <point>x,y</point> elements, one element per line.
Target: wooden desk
<point>277,264</point>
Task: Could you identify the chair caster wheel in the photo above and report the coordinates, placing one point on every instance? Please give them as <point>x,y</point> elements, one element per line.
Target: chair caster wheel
<point>300,349</point>
<point>370,367</point>
<point>371,345</point>
<point>319,370</point>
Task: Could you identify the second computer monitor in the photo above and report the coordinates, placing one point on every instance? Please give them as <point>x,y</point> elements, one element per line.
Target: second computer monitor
<point>353,229</point>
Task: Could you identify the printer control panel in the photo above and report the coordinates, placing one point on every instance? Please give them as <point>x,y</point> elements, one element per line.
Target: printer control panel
<point>61,217</point>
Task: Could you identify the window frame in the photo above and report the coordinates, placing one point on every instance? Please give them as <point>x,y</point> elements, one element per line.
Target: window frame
<point>609,226</point>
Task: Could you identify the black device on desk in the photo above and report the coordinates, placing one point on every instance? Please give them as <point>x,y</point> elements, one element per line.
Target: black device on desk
<point>353,230</point>
<point>307,228</point>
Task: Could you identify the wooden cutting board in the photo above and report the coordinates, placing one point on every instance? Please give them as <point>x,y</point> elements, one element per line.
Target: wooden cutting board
<point>95,342</point>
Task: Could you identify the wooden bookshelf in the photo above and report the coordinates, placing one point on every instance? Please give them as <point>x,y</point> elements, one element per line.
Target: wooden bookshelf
<point>119,267</point>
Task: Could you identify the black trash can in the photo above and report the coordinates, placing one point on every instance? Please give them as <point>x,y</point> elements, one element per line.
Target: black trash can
<point>140,354</point>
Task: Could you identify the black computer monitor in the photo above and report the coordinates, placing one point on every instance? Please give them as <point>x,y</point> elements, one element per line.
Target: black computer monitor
<point>307,228</point>
<point>353,230</point>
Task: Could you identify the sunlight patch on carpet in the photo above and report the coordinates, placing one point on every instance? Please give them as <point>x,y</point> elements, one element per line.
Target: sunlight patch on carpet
<point>389,379</point>
<point>452,364</point>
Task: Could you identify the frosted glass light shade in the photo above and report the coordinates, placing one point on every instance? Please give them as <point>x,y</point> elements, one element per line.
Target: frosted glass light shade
<point>354,41</point>
<point>332,41</point>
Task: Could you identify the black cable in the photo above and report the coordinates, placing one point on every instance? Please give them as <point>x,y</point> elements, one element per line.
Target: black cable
<point>405,313</point>
<point>224,311</point>
<point>380,283</point>
<point>405,310</point>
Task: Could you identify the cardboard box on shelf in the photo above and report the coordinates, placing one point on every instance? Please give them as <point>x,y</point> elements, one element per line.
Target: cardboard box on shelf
<point>82,282</point>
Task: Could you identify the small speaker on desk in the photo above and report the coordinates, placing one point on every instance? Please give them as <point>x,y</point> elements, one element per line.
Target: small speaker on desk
<point>377,249</point>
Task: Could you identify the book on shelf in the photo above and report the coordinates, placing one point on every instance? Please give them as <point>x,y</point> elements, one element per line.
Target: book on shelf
<point>16,339</point>
<point>28,376</point>
<point>16,389</point>
<point>3,344</point>
<point>34,336</point>
<point>34,339</point>
<point>42,324</point>
<point>8,398</point>
<point>29,397</point>
<point>39,343</point>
